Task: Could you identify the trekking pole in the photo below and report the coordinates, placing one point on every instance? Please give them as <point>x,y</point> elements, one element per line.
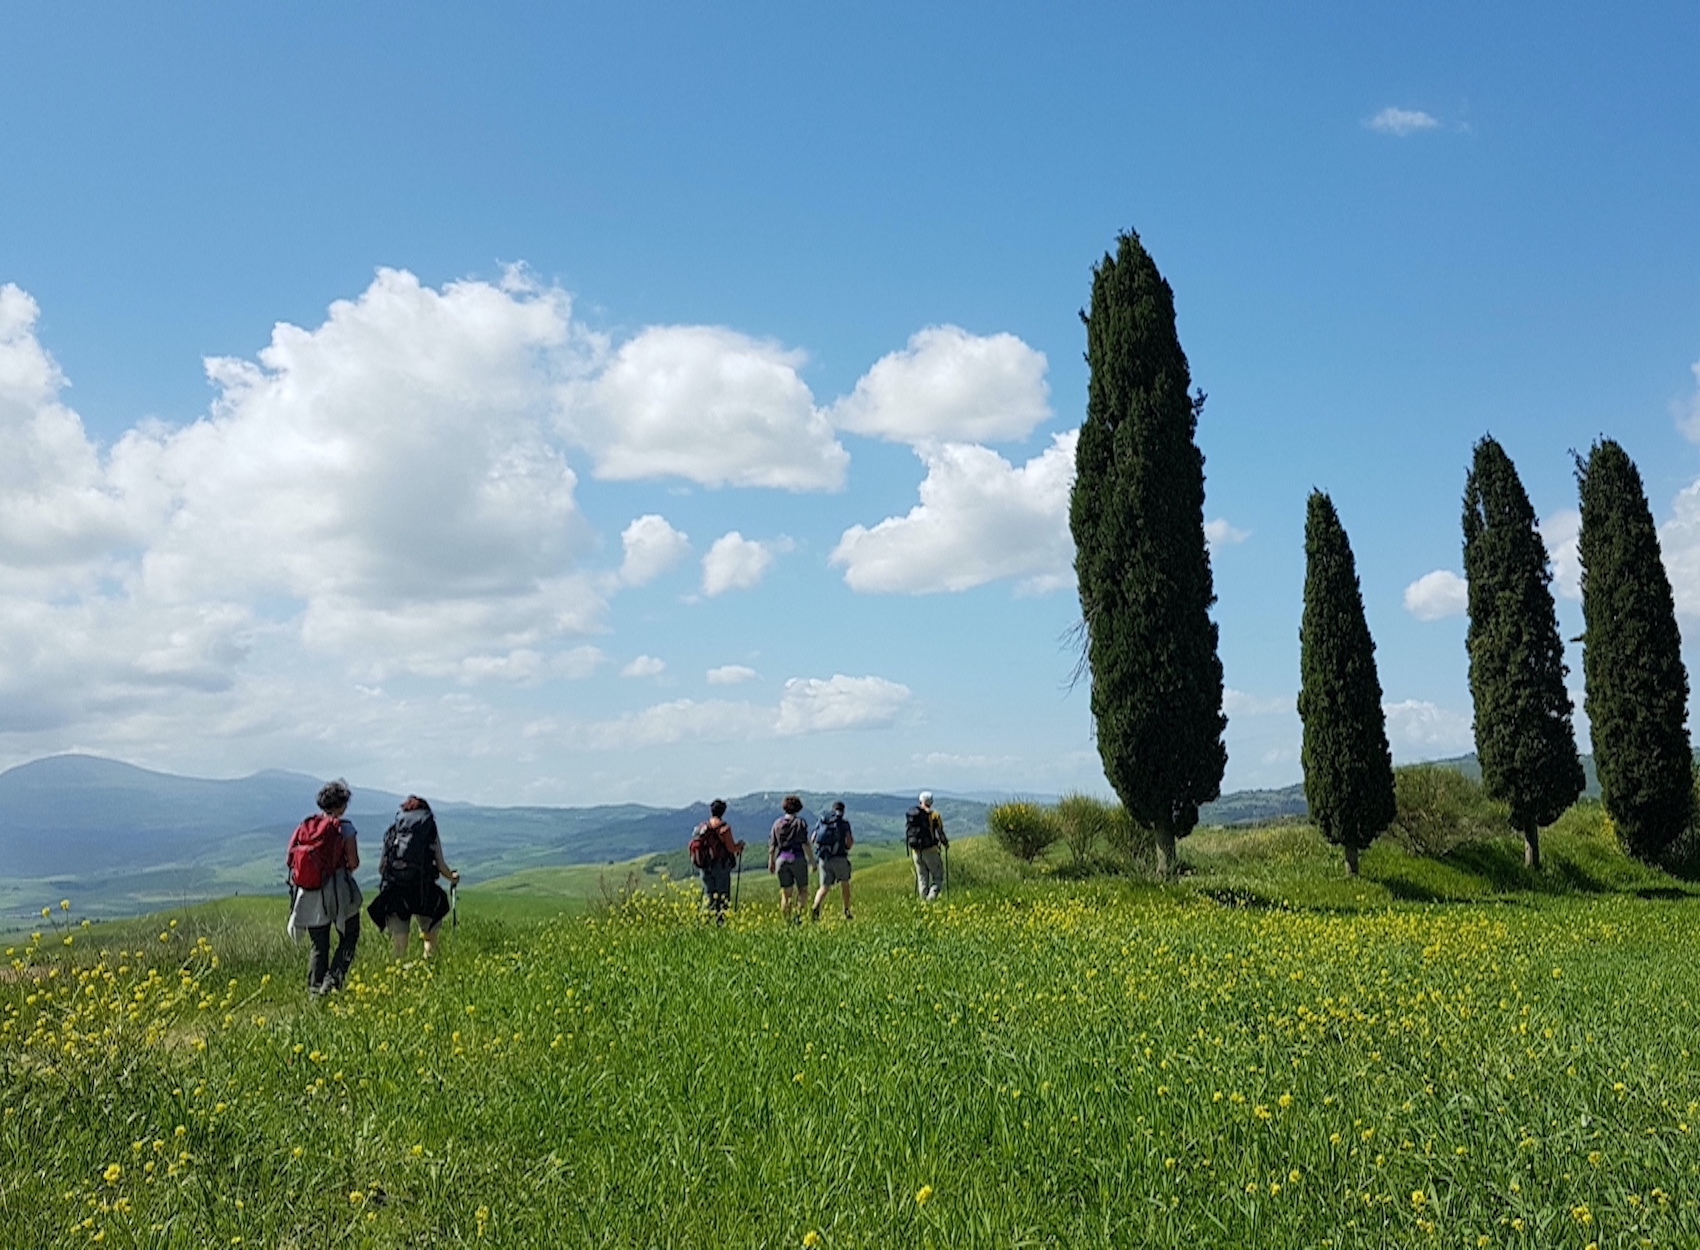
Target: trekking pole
<point>454,905</point>
<point>737,881</point>
<point>945,884</point>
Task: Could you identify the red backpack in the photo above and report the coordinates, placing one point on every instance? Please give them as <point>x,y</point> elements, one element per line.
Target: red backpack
<point>706,848</point>
<point>315,852</point>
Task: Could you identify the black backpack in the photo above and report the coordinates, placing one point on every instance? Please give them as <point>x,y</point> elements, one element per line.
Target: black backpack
<point>410,848</point>
<point>832,836</point>
<point>918,829</point>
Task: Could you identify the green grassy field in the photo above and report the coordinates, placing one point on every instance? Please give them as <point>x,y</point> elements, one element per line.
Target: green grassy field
<point>1262,1054</point>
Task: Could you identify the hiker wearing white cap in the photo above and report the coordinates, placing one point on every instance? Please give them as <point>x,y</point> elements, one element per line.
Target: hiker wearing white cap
<point>923,832</point>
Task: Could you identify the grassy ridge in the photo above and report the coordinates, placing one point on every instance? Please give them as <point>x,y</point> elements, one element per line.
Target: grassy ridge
<point>1264,1054</point>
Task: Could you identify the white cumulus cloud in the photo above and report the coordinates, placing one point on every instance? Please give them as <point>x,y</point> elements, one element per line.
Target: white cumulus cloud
<point>1402,122</point>
<point>1688,414</point>
<point>808,706</point>
<point>730,675</point>
<point>1240,703</point>
<point>948,384</point>
<point>737,563</point>
<point>1437,595</point>
<point>813,705</point>
<point>1679,543</point>
<point>1561,532</point>
<point>1418,730</point>
<point>652,547</point>
<point>980,519</point>
<point>644,666</point>
<point>706,404</point>
<point>1221,533</point>
<point>381,493</point>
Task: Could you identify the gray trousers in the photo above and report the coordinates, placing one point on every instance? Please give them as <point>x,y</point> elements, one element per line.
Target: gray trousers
<point>929,872</point>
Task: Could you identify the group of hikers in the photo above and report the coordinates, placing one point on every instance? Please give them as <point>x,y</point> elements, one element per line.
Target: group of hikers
<point>793,849</point>
<point>324,854</point>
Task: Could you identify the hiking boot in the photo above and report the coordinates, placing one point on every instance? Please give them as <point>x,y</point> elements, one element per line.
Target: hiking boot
<point>816,913</point>
<point>848,916</point>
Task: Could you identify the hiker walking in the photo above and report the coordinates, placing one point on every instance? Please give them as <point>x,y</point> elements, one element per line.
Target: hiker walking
<point>408,869</point>
<point>323,856</point>
<point>923,832</point>
<point>833,840</point>
<point>789,854</point>
<point>714,852</point>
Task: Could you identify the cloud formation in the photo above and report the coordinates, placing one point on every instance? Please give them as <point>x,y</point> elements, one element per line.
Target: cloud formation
<point>808,706</point>
<point>644,666</point>
<point>1402,122</point>
<point>1437,595</point>
<point>980,519</point>
<point>1561,532</point>
<point>1418,730</point>
<point>737,563</point>
<point>1679,544</point>
<point>1221,533</point>
<point>948,384</point>
<point>730,675</point>
<point>652,547</point>
<point>1687,415</point>
<point>708,405</point>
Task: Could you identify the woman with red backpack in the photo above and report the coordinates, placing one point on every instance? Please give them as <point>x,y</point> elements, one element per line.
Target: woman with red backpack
<point>323,857</point>
<point>713,853</point>
<point>407,878</point>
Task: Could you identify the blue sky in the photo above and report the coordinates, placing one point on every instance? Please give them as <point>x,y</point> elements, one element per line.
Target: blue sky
<point>556,405</point>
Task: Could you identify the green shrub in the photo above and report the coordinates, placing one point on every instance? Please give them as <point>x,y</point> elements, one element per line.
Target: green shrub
<point>1136,841</point>
<point>1022,828</point>
<point>1085,824</point>
<point>1440,808</point>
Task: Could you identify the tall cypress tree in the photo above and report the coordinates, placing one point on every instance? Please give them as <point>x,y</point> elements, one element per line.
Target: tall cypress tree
<point>1347,764</point>
<point>1524,738</point>
<point>1637,687</point>
<point>1137,515</point>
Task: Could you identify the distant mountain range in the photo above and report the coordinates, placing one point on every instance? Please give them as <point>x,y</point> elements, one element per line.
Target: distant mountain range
<point>125,839</point>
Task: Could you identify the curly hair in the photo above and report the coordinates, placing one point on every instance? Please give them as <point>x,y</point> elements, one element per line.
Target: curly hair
<point>334,795</point>
<point>792,805</point>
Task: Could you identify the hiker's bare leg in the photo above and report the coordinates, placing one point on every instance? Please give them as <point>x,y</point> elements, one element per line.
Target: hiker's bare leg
<point>398,934</point>
<point>430,936</point>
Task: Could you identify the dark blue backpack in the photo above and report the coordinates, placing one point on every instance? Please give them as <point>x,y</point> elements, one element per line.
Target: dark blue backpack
<point>832,836</point>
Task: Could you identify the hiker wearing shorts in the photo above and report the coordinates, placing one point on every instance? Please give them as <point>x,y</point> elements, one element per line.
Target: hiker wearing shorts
<point>717,860</point>
<point>833,840</point>
<point>335,903</point>
<point>407,878</point>
<point>923,830</point>
<point>789,855</point>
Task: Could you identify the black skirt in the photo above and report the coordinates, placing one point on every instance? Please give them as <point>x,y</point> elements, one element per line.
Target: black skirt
<point>402,900</point>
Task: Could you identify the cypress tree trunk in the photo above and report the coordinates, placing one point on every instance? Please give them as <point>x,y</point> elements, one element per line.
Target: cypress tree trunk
<point>1524,737</point>
<point>1137,517</point>
<point>1637,687</point>
<point>1164,840</point>
<point>1347,764</point>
